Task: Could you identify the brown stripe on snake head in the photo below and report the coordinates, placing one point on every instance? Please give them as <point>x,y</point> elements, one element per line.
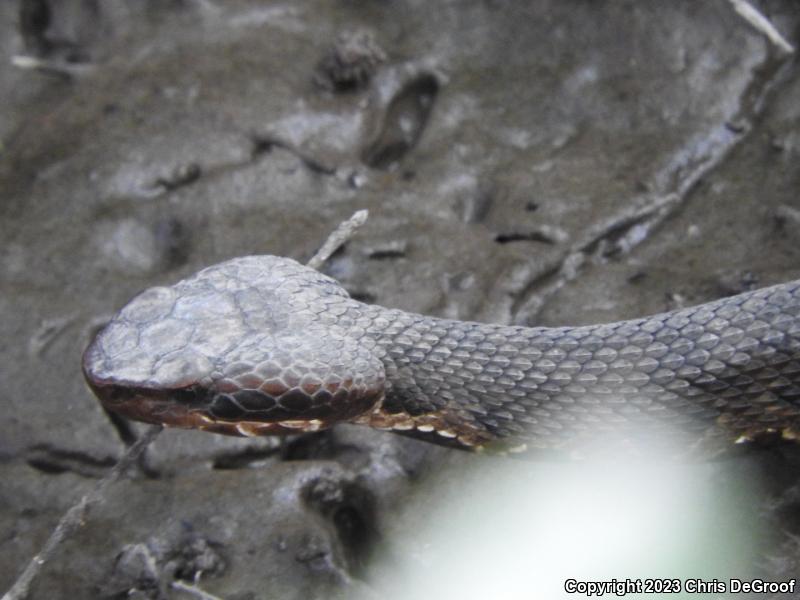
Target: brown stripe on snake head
<point>238,412</point>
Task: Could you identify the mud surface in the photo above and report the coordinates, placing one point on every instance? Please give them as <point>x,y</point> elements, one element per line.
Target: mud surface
<point>534,162</point>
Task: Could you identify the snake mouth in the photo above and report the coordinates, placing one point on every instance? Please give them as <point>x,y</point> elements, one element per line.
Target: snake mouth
<point>190,408</point>
<point>186,408</point>
<point>180,406</point>
<point>171,407</point>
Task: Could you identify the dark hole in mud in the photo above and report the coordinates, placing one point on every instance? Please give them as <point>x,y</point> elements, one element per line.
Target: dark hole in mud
<point>388,250</point>
<point>405,120</point>
<point>530,236</point>
<point>637,277</point>
<point>34,17</point>
<point>387,254</point>
<point>362,296</point>
<point>174,240</point>
<point>350,509</point>
<point>261,145</point>
<point>356,535</point>
<point>180,176</point>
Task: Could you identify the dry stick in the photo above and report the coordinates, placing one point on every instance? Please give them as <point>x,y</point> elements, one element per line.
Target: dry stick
<point>750,14</point>
<point>74,517</point>
<point>635,224</point>
<point>639,222</point>
<point>342,233</point>
<point>62,69</point>
<point>193,590</point>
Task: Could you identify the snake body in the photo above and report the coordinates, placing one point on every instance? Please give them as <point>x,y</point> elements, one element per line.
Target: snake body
<point>262,345</point>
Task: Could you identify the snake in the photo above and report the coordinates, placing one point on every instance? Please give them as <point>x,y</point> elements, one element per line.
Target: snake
<point>262,345</point>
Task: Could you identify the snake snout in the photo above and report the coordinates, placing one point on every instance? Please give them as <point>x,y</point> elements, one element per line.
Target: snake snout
<point>135,385</point>
<point>168,407</point>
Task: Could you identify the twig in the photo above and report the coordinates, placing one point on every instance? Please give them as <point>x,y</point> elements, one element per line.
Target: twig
<point>762,24</point>
<point>340,235</point>
<point>624,231</point>
<point>193,590</point>
<point>74,517</point>
<point>62,69</point>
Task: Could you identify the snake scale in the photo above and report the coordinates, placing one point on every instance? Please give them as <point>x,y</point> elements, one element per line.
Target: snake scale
<point>262,345</point>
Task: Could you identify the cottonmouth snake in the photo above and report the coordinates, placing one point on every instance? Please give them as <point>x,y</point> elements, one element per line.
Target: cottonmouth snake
<point>262,345</point>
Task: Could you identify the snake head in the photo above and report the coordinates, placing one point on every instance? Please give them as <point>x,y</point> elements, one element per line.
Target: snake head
<point>240,348</point>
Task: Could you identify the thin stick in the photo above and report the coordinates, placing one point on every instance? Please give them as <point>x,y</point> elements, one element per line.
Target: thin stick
<point>74,517</point>
<point>634,225</point>
<point>749,13</point>
<point>340,235</point>
<point>193,590</point>
<point>62,69</point>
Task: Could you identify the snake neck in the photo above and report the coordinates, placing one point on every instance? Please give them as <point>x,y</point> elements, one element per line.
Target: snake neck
<point>718,372</point>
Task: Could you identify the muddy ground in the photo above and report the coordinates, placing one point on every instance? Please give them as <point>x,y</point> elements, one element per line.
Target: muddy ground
<point>537,162</point>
